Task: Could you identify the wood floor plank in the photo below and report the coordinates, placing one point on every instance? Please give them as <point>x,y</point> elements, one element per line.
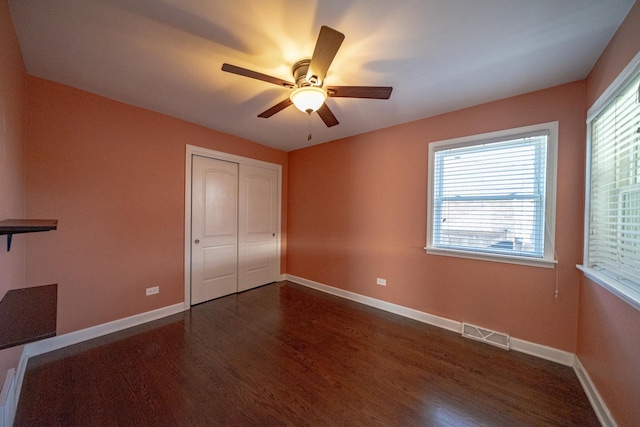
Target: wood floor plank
<point>288,355</point>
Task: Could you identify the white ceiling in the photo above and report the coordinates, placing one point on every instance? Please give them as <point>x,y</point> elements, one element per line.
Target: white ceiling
<point>439,55</point>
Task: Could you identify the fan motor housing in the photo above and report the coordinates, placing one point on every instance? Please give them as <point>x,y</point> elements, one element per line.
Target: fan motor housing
<point>299,71</point>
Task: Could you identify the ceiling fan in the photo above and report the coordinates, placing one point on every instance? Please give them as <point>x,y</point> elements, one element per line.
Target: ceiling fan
<point>308,93</point>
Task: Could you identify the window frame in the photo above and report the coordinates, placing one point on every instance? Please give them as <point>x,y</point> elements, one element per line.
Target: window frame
<point>624,289</point>
<point>549,259</point>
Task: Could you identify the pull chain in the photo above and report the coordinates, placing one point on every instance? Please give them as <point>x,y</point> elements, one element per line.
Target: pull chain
<point>555,255</point>
<point>309,136</point>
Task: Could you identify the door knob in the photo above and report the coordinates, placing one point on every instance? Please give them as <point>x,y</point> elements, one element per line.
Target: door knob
<point>197,241</point>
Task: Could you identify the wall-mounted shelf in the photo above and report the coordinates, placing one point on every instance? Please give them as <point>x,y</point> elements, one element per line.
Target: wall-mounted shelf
<point>19,226</point>
<point>28,315</point>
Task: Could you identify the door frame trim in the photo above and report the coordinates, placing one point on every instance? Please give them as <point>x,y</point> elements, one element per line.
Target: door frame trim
<point>192,150</point>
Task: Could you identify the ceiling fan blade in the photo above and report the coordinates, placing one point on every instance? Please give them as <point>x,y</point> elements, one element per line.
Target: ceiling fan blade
<point>327,116</point>
<point>371,92</point>
<point>329,41</point>
<point>255,75</point>
<point>275,109</point>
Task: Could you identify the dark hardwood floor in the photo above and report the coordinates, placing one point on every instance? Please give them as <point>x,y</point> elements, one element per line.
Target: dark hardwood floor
<point>287,355</point>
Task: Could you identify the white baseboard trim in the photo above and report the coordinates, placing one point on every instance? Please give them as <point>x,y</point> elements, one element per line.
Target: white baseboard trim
<point>537,350</point>
<point>60,341</point>
<point>441,322</point>
<point>54,343</point>
<point>598,405</point>
<point>542,351</point>
<point>7,399</point>
<point>11,393</point>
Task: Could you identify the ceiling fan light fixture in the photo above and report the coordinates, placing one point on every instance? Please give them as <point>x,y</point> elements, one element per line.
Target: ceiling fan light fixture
<point>308,98</point>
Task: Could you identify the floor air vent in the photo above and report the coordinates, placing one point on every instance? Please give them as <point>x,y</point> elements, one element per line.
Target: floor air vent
<point>490,337</point>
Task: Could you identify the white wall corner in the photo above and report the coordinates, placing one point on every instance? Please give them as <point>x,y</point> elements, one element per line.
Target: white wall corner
<point>598,405</point>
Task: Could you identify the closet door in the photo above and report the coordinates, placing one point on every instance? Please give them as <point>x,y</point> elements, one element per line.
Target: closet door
<point>214,229</point>
<point>234,217</point>
<point>257,226</point>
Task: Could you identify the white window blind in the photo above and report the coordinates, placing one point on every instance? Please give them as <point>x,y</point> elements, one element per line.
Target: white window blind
<point>492,196</point>
<point>613,240</point>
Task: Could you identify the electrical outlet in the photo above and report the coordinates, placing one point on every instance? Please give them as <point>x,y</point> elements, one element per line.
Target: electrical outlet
<point>381,282</point>
<point>153,290</point>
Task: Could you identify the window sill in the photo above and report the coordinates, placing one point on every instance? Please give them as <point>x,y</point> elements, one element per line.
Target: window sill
<point>531,262</point>
<point>625,292</point>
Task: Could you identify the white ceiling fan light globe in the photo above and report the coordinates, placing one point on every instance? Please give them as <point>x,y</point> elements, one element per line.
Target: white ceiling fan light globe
<point>308,98</point>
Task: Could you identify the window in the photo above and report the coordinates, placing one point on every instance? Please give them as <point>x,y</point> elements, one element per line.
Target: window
<point>492,196</point>
<point>612,226</point>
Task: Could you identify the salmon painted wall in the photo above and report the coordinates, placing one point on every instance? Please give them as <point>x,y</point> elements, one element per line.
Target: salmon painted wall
<point>12,169</point>
<point>608,337</point>
<point>113,176</point>
<point>357,211</point>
